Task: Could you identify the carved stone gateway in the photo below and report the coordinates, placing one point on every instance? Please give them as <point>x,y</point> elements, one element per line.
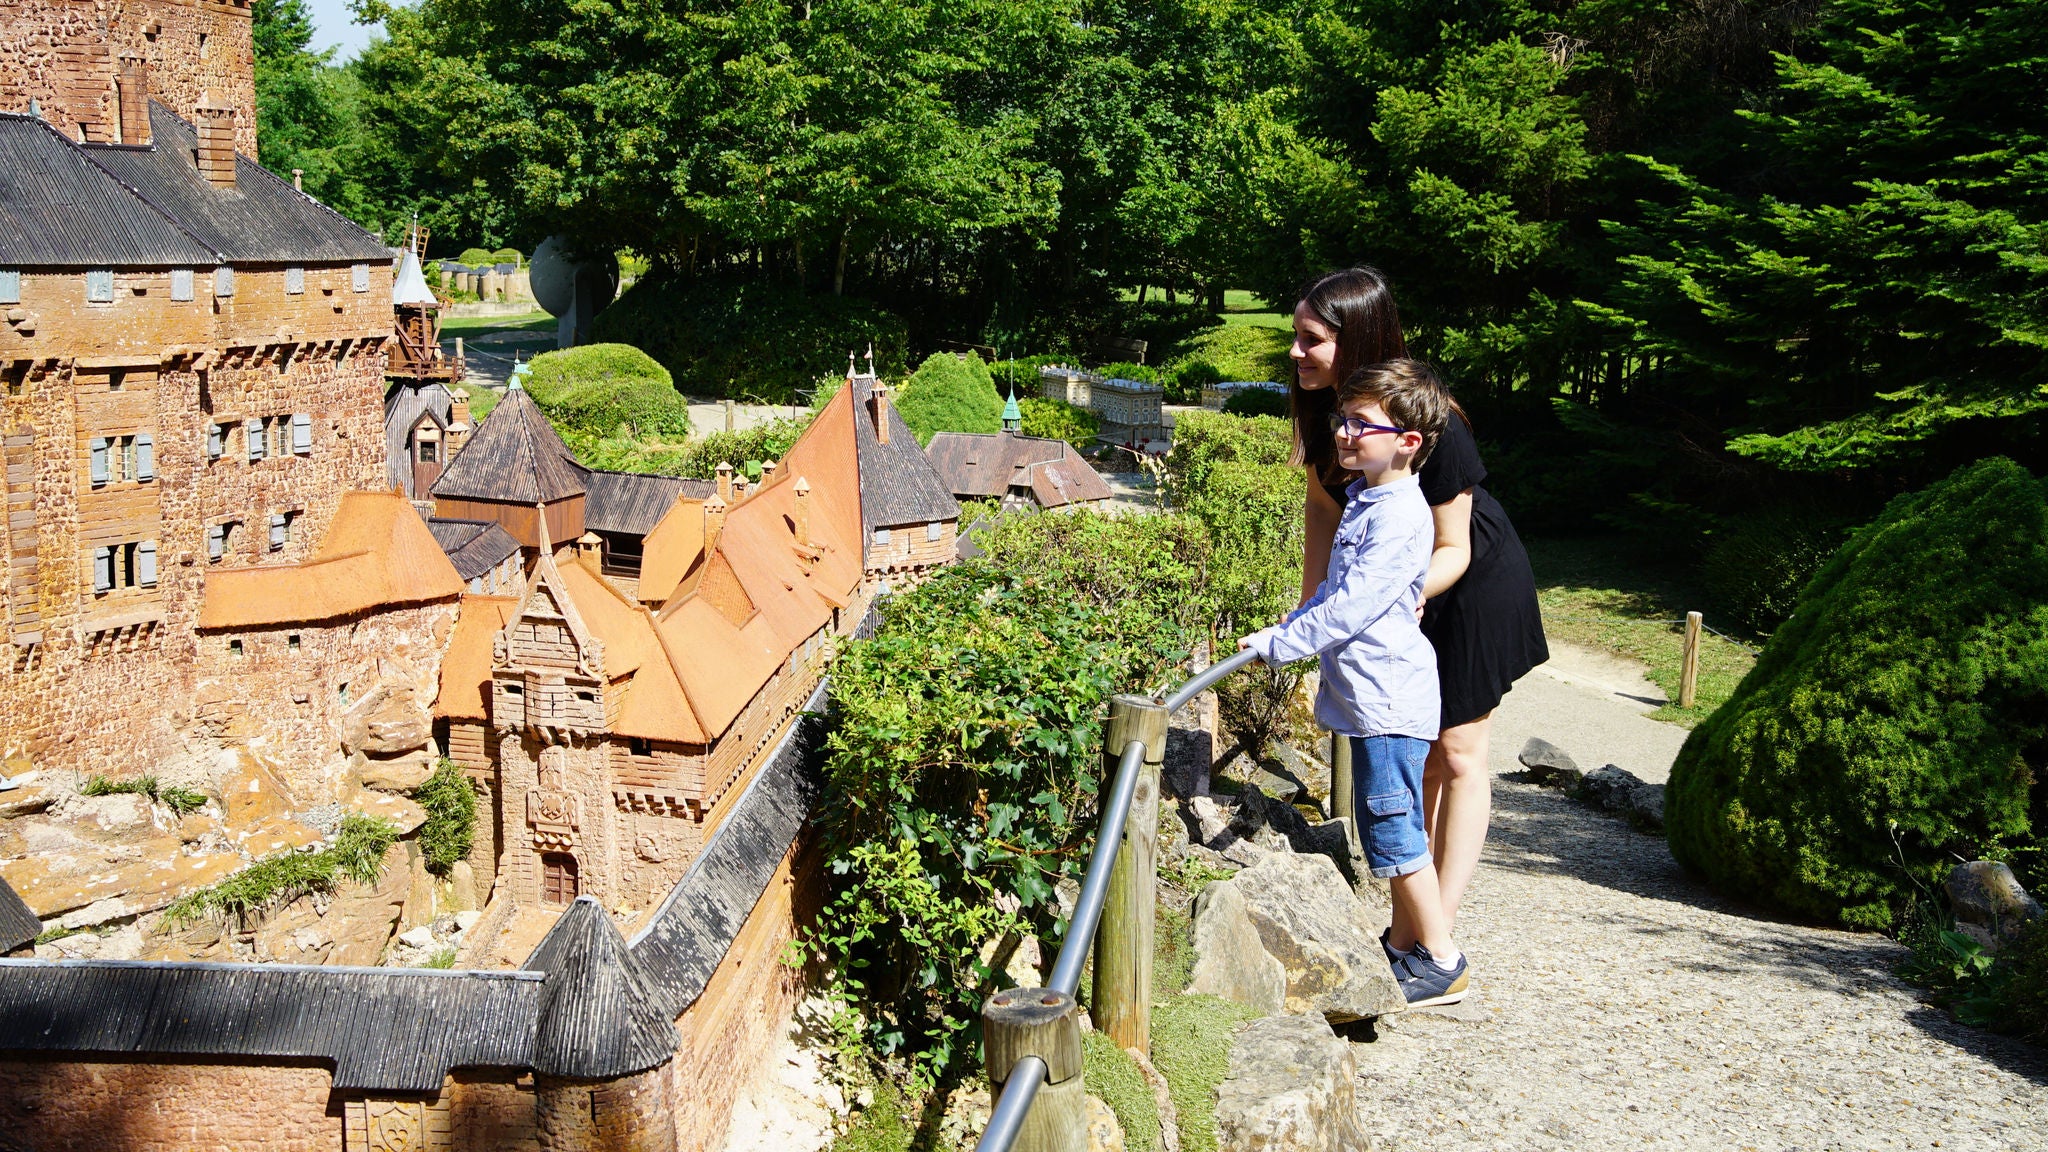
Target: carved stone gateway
<point>553,812</point>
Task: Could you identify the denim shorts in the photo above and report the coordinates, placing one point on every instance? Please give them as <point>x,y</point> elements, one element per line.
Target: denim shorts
<point>1386,778</point>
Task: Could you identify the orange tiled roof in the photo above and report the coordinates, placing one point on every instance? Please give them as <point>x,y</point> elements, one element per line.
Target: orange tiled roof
<point>466,666</point>
<point>377,554</point>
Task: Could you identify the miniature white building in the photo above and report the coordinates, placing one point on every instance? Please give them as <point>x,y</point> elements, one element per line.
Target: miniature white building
<point>1132,412</point>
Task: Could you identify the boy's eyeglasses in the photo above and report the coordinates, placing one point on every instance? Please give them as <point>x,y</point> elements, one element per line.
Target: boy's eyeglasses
<point>1352,428</point>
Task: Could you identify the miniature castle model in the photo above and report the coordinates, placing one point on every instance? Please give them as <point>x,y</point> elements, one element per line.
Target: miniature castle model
<point>1132,412</point>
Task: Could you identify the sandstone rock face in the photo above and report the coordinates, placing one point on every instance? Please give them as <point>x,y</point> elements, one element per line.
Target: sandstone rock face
<point>26,800</point>
<point>250,791</point>
<point>398,774</point>
<point>360,917</point>
<point>1991,906</point>
<point>1231,960</point>
<point>1289,1089</point>
<point>387,722</point>
<point>1324,937</point>
<point>397,809</point>
<point>121,812</point>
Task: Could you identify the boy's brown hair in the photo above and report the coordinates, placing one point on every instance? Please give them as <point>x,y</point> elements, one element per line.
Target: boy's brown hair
<point>1411,394</point>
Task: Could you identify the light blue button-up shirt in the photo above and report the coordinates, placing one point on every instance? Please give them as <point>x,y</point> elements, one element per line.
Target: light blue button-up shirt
<point>1378,670</point>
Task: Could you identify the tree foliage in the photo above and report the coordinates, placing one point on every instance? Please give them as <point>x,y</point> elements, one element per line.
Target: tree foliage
<point>596,392</point>
<point>1059,420</point>
<point>1892,724</point>
<point>951,393</point>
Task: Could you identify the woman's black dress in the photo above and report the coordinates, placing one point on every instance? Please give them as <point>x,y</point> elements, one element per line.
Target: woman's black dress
<point>1486,628</point>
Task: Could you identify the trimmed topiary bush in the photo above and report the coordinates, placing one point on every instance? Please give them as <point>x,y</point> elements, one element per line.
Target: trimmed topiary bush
<point>476,257</point>
<point>951,393</point>
<point>1890,722</point>
<point>599,391</point>
<point>1258,402</point>
<point>1059,420</point>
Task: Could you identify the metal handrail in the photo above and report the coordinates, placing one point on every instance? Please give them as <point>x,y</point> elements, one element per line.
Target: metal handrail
<point>1028,1074</point>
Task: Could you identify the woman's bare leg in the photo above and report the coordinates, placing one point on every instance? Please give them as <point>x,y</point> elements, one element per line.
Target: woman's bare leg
<point>1457,802</point>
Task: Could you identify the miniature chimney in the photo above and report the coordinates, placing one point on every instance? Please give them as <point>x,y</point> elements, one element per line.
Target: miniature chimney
<point>725,481</point>
<point>802,510</point>
<point>714,519</point>
<point>132,88</point>
<point>298,179</point>
<point>590,551</point>
<point>458,419</point>
<point>880,395</point>
<point>739,487</point>
<point>767,472</point>
<point>216,142</point>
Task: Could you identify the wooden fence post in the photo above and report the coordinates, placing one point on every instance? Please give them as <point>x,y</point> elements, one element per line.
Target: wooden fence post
<point>730,415</point>
<point>1039,1022</point>
<point>1121,1003</point>
<point>1689,674</point>
<point>1343,801</point>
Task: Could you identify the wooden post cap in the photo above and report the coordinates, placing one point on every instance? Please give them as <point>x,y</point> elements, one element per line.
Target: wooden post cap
<point>1136,718</point>
<point>1031,1022</point>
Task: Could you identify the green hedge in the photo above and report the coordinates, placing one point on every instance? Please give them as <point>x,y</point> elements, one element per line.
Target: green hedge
<point>600,391</point>
<point>951,393</point>
<point>1060,420</point>
<point>748,341</point>
<point>1888,727</point>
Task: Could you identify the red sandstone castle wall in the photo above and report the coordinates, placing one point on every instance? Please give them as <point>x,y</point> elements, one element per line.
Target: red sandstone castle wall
<point>67,54</point>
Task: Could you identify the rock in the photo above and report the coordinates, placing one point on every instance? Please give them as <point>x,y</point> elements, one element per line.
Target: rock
<point>26,800</point>
<point>1189,755</point>
<point>397,809</point>
<point>1549,764</point>
<point>194,827</point>
<point>123,943</point>
<point>421,937</point>
<point>387,721</point>
<point>1275,786</point>
<point>419,897</point>
<point>1289,1088</point>
<point>1324,937</point>
<point>1607,788</point>
<point>120,812</point>
<point>270,837</point>
<point>142,878</point>
<point>459,891</point>
<point>402,774</point>
<point>1231,960</point>
<point>1104,1133</point>
<point>1646,806</point>
<point>250,791</point>
<point>1989,903</point>
<point>1212,819</point>
<point>1313,774</point>
<point>361,916</point>
<point>467,919</point>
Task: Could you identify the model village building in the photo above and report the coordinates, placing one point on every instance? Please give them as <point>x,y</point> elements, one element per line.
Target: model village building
<point>1021,471</point>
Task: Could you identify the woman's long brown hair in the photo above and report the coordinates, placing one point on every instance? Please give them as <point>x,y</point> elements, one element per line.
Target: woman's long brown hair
<point>1357,305</point>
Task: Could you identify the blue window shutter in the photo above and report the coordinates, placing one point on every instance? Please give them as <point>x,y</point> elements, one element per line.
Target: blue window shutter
<point>99,285</point>
<point>216,541</point>
<point>100,475</point>
<point>302,433</point>
<point>253,428</point>
<point>10,285</point>
<point>224,280</point>
<point>145,564</point>
<point>145,456</point>
<point>276,532</point>
<point>213,441</point>
<point>102,569</point>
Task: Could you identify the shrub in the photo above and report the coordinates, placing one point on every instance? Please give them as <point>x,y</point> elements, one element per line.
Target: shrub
<point>508,256</point>
<point>961,772</point>
<point>356,853</point>
<point>951,393</point>
<point>476,257</point>
<point>1258,402</point>
<point>1186,379</point>
<point>1124,370</point>
<point>747,340</point>
<point>1060,420</point>
<point>1890,721</point>
<point>2026,986</point>
<point>607,391</point>
<point>699,459</point>
<point>1237,352</point>
<point>450,827</point>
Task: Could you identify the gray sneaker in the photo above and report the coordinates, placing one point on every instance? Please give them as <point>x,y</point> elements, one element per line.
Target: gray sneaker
<point>1424,984</point>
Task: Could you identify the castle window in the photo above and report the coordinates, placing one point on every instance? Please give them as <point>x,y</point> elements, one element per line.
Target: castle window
<point>127,565</point>
<point>515,690</point>
<point>224,281</point>
<point>638,747</point>
<point>291,642</point>
<point>558,881</point>
<point>216,440</point>
<point>359,277</point>
<point>99,286</point>
<point>16,375</point>
<point>302,433</point>
<point>881,535</point>
<point>235,649</point>
<point>252,431</point>
<point>429,451</point>
<point>294,281</point>
<point>931,531</point>
<point>205,52</point>
<point>220,539</point>
<point>587,697</point>
<point>181,283</point>
<point>281,529</point>
<point>10,285</point>
<point>116,459</point>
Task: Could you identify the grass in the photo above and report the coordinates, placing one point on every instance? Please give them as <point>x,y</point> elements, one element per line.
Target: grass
<point>179,800</point>
<point>470,327</point>
<point>1191,1048</point>
<point>450,827</point>
<point>1113,1077</point>
<point>1599,594</point>
<point>883,1126</point>
<point>357,853</point>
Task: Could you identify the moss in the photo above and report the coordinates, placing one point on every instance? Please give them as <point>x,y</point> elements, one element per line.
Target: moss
<point>1191,1048</point>
<point>1113,1076</point>
<point>881,1127</point>
<point>450,827</point>
<point>357,853</point>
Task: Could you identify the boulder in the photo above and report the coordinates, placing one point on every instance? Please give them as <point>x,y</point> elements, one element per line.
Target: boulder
<point>458,892</point>
<point>1646,807</point>
<point>26,800</point>
<point>1607,788</point>
<point>1288,1088</point>
<point>1245,828</point>
<point>250,791</point>
<point>1231,960</point>
<point>1189,754</point>
<point>403,773</point>
<point>387,721</point>
<point>1549,764</point>
<point>1325,938</point>
<point>397,809</point>
<point>122,812</point>
<point>359,917</point>
<point>1310,770</point>
<point>1990,905</point>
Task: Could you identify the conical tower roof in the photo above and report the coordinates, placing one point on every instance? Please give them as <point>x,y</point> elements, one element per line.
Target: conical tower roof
<point>1012,414</point>
<point>513,457</point>
<point>596,1019</point>
<point>408,285</point>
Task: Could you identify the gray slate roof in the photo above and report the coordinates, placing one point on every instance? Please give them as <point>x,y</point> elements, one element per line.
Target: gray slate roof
<point>473,546</point>
<point>263,220</point>
<point>513,457</point>
<point>988,464</point>
<point>632,503</point>
<point>387,1029</point>
<point>59,209</point>
<point>897,484</point>
<point>598,1019</point>
<point>18,925</point>
<point>403,407</point>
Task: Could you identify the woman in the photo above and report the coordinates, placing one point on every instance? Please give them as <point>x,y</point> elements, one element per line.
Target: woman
<point>1480,610</point>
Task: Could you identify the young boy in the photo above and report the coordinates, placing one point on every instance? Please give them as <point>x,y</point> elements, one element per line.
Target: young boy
<point>1379,686</point>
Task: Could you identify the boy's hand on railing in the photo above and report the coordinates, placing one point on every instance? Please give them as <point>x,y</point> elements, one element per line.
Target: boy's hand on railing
<point>1246,642</point>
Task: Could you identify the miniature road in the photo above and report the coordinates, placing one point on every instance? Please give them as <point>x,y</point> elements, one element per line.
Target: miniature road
<point>1621,1005</point>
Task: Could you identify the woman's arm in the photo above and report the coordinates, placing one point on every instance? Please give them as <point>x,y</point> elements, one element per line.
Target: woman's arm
<point>1453,551</point>
<point>1321,518</point>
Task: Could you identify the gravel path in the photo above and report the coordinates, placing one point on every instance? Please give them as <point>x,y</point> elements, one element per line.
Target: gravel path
<point>1620,1005</point>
